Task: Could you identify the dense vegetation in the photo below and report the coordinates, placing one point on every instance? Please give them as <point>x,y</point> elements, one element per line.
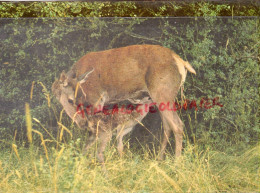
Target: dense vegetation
<point>129,9</point>
<point>221,143</point>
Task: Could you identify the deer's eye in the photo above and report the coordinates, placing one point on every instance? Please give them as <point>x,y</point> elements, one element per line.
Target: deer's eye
<point>70,101</point>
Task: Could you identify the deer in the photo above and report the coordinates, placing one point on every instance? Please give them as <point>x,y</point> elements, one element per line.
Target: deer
<point>129,73</point>
<point>102,125</point>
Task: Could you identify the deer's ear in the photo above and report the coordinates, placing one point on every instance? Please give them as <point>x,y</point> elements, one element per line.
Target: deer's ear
<point>63,76</point>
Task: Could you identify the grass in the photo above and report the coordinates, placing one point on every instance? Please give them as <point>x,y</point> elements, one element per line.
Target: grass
<point>52,165</point>
<point>66,170</point>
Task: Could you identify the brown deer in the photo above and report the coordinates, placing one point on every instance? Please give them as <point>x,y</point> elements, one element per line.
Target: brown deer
<point>103,125</point>
<point>100,124</point>
<point>128,73</point>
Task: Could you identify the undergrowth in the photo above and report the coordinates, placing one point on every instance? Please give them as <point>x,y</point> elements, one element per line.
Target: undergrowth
<point>66,170</point>
<point>49,163</point>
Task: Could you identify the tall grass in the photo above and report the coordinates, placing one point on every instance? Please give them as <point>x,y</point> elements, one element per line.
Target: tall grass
<point>62,167</point>
<point>68,171</point>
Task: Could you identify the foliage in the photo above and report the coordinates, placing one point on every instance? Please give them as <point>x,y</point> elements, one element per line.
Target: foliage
<point>223,52</point>
<point>221,151</point>
<point>127,9</point>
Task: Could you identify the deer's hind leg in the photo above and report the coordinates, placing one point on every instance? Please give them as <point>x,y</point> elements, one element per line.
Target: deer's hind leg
<point>163,89</point>
<point>171,122</point>
<point>121,132</point>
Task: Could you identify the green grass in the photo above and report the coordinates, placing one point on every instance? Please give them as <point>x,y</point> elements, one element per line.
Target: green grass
<point>55,164</point>
<point>68,171</point>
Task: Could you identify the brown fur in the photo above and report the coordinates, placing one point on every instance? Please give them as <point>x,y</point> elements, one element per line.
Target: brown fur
<point>100,125</point>
<point>103,126</point>
<point>120,74</point>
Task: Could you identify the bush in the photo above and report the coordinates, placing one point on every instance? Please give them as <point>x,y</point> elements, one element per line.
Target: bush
<point>223,52</point>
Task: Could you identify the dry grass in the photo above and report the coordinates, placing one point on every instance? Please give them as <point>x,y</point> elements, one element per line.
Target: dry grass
<point>68,171</point>
<point>55,166</point>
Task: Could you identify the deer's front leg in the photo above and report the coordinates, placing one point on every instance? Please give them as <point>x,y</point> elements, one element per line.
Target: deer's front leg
<point>90,141</point>
<point>104,138</point>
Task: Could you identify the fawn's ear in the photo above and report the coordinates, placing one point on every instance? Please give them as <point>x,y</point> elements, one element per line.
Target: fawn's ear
<point>63,78</point>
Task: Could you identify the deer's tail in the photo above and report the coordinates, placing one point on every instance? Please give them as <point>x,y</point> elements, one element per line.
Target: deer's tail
<point>183,63</point>
<point>189,67</point>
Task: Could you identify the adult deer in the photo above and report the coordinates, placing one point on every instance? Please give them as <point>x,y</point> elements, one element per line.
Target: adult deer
<point>128,73</point>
